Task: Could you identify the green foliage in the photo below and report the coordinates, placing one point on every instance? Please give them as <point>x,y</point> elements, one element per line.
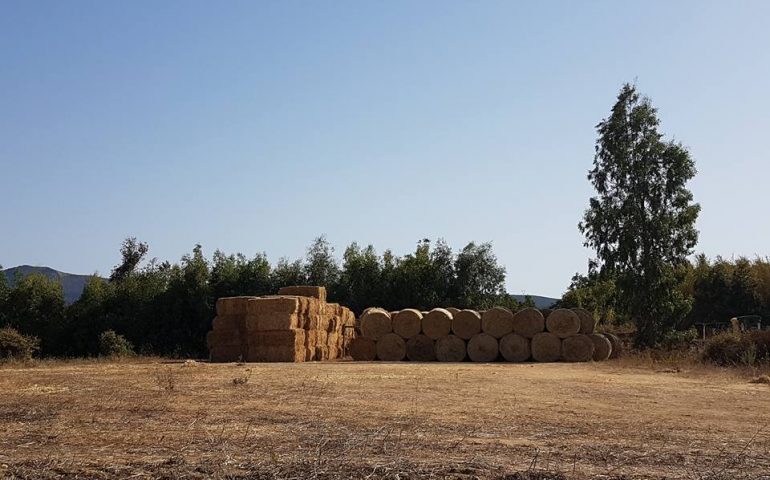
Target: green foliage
<point>132,252</point>
<point>16,346</point>
<point>113,345</point>
<point>167,309</point>
<point>595,294</point>
<point>725,289</point>
<point>35,306</point>
<point>641,223</point>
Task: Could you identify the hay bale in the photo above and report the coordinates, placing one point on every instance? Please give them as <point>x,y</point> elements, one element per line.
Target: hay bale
<point>437,323</point>
<point>617,345</point>
<point>225,353</point>
<point>546,347</point>
<point>391,348</point>
<point>233,305</point>
<point>450,349</point>
<point>545,312</point>
<point>276,346</point>
<point>515,348</point>
<point>528,322</point>
<point>274,304</point>
<point>218,338</point>
<point>393,314</point>
<point>229,322</point>
<point>363,349</point>
<point>497,322</point>
<point>407,323</point>
<point>466,324</point>
<point>483,348</point>
<point>563,323</point>
<point>454,311</point>
<point>602,347</point>
<point>421,348</point>
<point>587,322</point>
<point>577,348</point>
<point>376,323</point>
<point>424,312</point>
<point>304,291</point>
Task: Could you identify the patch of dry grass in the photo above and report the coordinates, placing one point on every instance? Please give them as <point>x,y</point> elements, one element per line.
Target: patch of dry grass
<point>616,419</point>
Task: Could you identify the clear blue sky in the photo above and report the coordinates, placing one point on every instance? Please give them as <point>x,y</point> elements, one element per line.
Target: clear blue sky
<point>256,126</point>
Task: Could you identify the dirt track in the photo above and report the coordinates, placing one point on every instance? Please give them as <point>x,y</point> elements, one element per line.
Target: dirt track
<point>329,420</point>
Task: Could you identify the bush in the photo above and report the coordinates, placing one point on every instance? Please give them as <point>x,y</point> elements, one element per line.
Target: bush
<point>731,348</point>
<point>113,345</point>
<point>17,346</point>
<point>679,340</point>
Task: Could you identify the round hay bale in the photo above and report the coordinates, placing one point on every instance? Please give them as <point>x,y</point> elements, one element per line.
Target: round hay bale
<point>602,347</point>
<point>424,312</point>
<point>466,324</point>
<point>546,347</point>
<point>497,322</point>
<point>515,348</point>
<point>545,312</point>
<point>375,323</point>
<point>437,323</point>
<point>587,322</point>
<point>483,348</point>
<point>528,322</point>
<point>391,348</point>
<point>393,314</point>
<point>407,323</point>
<point>563,323</point>
<point>420,348</point>
<point>450,349</point>
<point>617,346</point>
<point>454,311</point>
<point>363,349</point>
<point>577,348</point>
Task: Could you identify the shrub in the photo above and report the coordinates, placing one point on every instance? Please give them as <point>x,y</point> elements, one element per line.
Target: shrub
<point>679,340</point>
<point>16,345</point>
<point>113,345</point>
<point>730,348</point>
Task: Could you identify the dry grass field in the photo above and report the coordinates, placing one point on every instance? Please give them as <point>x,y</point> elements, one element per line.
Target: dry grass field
<point>161,419</point>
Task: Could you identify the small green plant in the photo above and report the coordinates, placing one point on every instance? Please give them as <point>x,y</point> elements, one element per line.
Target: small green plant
<point>14,345</point>
<point>749,356</point>
<point>113,345</point>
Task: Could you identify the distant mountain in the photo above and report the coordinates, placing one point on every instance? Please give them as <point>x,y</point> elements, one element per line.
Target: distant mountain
<point>540,302</point>
<point>71,284</point>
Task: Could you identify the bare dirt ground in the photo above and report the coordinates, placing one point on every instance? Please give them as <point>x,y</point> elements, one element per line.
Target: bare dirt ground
<point>163,419</point>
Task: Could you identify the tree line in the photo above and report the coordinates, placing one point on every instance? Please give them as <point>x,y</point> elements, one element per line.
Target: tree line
<point>714,291</point>
<point>166,309</point>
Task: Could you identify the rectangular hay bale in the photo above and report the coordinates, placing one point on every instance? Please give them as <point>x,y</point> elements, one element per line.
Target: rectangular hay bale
<point>273,304</point>
<point>305,291</point>
<point>233,305</point>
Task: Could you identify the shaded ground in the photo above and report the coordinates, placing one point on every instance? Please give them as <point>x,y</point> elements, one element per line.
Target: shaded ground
<point>351,420</point>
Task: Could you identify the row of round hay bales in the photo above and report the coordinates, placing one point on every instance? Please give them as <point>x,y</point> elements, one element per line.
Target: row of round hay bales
<point>453,335</point>
<point>497,322</point>
<point>482,347</point>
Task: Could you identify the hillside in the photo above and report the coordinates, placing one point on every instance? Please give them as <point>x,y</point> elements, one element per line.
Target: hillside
<point>72,284</point>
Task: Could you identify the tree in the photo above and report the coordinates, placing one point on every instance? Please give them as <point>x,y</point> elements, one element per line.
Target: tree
<point>479,281</point>
<point>35,306</point>
<point>132,252</point>
<point>641,223</point>
<point>321,267</point>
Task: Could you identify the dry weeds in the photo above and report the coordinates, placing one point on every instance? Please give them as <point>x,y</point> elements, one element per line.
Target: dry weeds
<point>612,420</point>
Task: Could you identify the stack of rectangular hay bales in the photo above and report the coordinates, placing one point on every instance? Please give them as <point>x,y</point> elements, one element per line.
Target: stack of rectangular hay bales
<point>296,325</point>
